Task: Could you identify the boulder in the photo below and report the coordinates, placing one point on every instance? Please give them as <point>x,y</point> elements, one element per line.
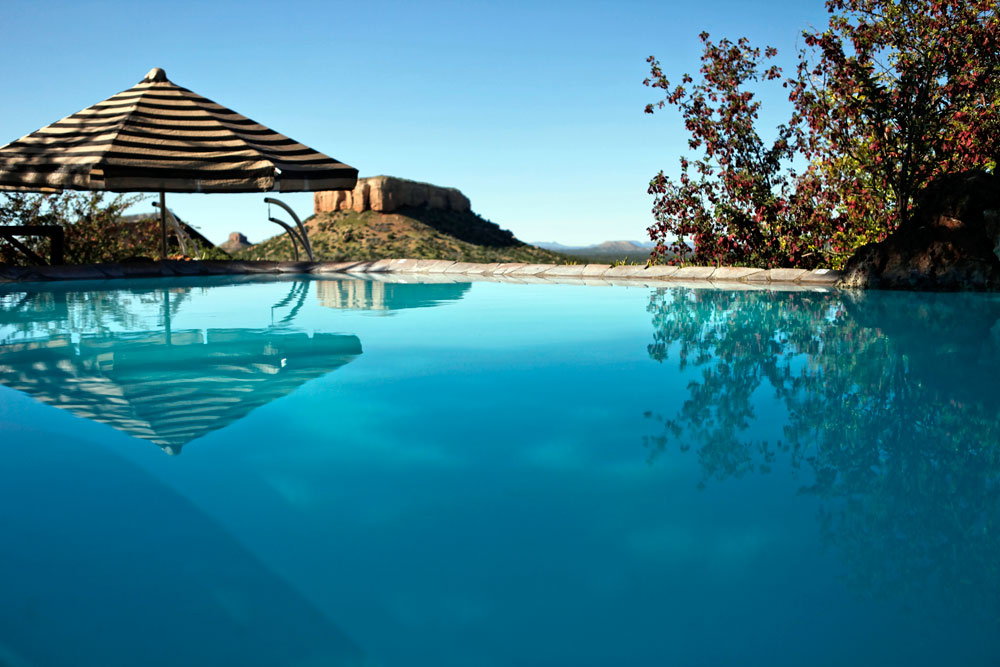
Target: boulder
<point>388,193</point>
<point>949,243</point>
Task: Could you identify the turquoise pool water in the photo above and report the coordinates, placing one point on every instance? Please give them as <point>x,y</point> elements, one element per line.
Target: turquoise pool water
<point>340,472</point>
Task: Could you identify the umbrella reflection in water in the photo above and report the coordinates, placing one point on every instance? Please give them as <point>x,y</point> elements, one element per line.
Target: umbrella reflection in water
<point>173,386</point>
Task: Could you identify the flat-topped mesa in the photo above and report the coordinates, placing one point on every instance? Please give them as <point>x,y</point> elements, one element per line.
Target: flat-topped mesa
<point>236,242</point>
<point>388,193</point>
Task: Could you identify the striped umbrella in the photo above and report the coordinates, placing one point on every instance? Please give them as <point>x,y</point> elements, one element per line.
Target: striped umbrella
<point>160,137</point>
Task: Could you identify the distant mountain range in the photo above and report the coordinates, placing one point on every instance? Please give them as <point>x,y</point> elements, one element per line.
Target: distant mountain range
<point>606,251</point>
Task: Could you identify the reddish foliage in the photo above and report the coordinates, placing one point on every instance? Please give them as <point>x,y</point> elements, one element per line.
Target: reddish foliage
<point>903,91</point>
<point>889,96</point>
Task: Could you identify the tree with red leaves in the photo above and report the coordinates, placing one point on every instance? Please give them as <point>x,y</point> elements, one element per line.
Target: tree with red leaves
<point>732,202</point>
<point>890,95</point>
<point>898,93</point>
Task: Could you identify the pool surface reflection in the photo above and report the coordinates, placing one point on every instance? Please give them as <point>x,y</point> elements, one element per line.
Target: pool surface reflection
<point>493,474</point>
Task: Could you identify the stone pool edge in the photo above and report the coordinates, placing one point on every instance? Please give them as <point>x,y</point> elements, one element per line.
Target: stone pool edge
<point>509,271</point>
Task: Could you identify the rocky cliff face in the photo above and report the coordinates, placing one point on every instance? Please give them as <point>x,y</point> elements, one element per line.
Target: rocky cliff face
<point>388,193</point>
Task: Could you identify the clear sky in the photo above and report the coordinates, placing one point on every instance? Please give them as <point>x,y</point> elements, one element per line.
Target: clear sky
<point>534,110</point>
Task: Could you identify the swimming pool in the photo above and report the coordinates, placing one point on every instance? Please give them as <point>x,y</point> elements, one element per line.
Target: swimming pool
<point>335,471</point>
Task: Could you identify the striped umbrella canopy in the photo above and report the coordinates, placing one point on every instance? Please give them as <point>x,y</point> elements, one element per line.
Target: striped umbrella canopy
<point>160,137</point>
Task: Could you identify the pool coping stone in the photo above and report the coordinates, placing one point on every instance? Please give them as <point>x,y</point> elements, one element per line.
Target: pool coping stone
<point>521,272</point>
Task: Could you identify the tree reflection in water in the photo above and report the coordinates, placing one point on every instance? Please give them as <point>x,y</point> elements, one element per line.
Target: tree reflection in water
<point>892,415</point>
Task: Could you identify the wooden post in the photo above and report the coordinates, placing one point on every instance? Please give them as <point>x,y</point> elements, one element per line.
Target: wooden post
<point>57,246</point>
<point>163,225</point>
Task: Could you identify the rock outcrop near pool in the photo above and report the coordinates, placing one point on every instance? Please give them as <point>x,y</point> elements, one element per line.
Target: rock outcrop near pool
<point>388,193</point>
<point>385,217</point>
<point>950,242</point>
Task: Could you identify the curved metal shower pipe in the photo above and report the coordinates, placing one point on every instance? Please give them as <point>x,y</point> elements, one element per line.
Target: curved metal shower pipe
<point>291,234</point>
<point>176,225</point>
<point>303,235</point>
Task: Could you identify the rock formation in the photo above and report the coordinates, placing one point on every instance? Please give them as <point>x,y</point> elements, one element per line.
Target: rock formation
<point>236,243</point>
<point>949,243</point>
<point>388,193</point>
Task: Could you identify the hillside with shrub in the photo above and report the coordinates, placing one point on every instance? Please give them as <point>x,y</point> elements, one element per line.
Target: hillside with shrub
<point>411,232</point>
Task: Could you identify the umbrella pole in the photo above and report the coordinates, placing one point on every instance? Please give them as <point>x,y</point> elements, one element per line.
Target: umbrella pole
<point>163,225</point>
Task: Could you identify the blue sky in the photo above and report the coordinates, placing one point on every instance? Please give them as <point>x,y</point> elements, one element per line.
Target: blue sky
<point>533,110</point>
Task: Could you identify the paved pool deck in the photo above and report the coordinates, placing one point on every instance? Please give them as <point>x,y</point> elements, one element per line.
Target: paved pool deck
<point>434,270</point>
